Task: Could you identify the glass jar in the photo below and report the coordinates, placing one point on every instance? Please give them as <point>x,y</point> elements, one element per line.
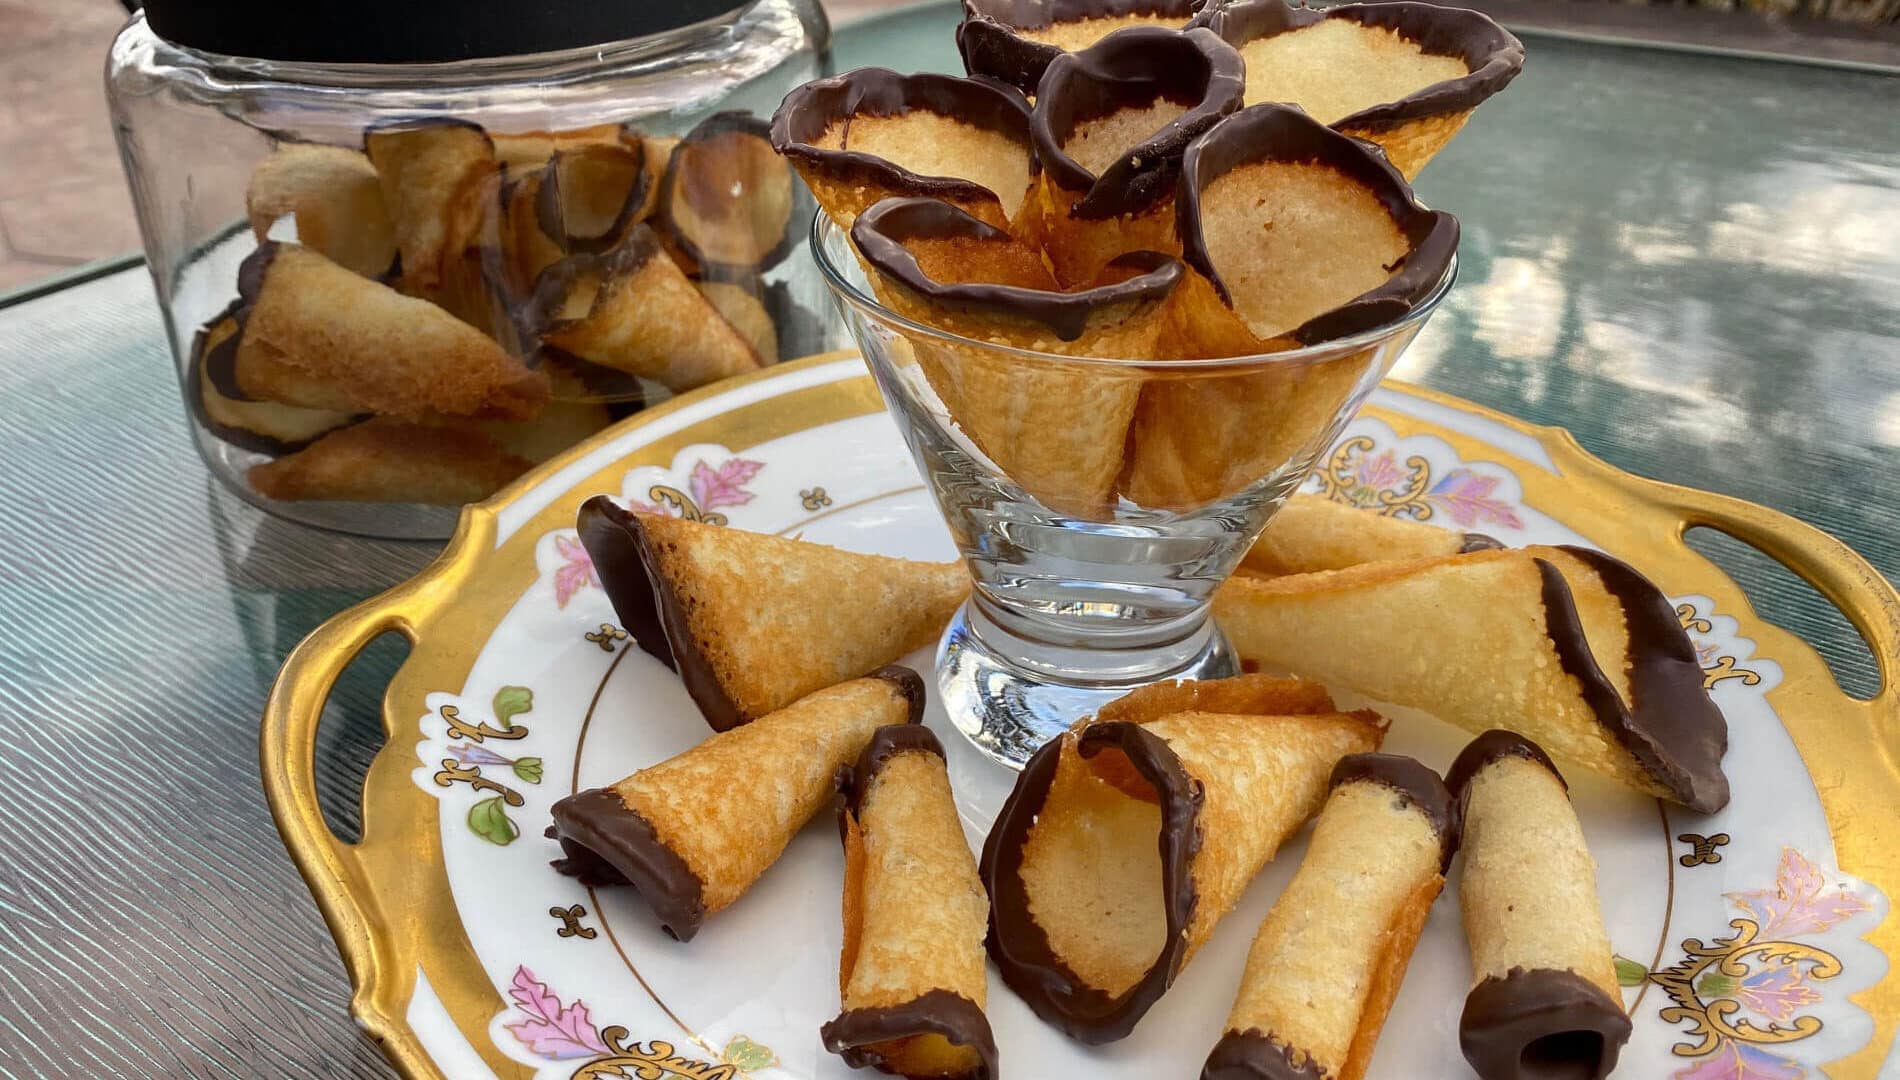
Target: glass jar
<point>393,286</point>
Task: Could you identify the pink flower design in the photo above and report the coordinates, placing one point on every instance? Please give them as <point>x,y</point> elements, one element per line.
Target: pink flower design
<point>1776,993</point>
<point>552,1030</point>
<point>1379,473</point>
<point>724,486</point>
<point>1466,496</point>
<point>1738,1061</point>
<point>1801,901</point>
<point>576,572</point>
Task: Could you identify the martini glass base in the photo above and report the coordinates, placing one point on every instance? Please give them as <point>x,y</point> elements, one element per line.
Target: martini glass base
<point>1008,708</point>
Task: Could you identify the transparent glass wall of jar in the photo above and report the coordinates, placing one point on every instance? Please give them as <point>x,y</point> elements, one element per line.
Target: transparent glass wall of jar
<point>392,289</point>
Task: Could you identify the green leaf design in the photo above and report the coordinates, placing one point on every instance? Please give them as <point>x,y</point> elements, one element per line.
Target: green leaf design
<point>745,1055</point>
<point>1714,984</point>
<point>511,701</point>
<point>1629,972</point>
<point>528,770</point>
<point>488,820</point>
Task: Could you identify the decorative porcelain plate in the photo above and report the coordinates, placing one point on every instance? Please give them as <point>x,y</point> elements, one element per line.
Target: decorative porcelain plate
<point>1752,945</point>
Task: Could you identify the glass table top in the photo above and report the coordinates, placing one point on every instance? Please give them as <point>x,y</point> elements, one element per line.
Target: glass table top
<point>1691,262</point>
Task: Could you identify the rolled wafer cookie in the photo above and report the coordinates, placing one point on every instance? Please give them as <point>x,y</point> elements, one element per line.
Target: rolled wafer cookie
<point>1571,646</point>
<point>1014,40</point>
<point>753,623</point>
<point>1329,958</point>
<point>873,134</point>
<point>1400,74</point>
<point>633,310</point>
<point>688,839</point>
<point>386,460</point>
<point>336,199</point>
<point>1294,235</point>
<point>436,177</point>
<point>911,974</point>
<point>315,335</point>
<point>1544,1000</point>
<point>1312,532</point>
<point>1057,429</point>
<point>1111,125</point>
<point>1124,842</point>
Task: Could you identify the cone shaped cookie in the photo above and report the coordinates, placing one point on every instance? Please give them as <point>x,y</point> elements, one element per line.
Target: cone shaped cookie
<point>523,152</point>
<point>337,201</point>
<point>385,460</point>
<point>1312,533</point>
<point>1015,40</point>
<point>912,974</point>
<point>1544,999</point>
<point>434,176</point>
<point>1570,646</point>
<point>319,336</point>
<point>873,134</point>
<point>265,427</point>
<point>1329,957</point>
<point>1403,75</point>
<point>1295,234</point>
<point>752,623</point>
<point>1303,231</point>
<point>1124,843</point>
<point>726,198</point>
<point>634,311</point>
<point>1111,125</point>
<point>1057,430</point>
<point>691,841</point>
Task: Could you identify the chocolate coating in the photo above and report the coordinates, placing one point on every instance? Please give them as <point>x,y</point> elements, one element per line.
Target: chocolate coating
<point>1133,69</point>
<point>1541,1025</point>
<point>628,255</point>
<point>1252,1055</point>
<point>1284,133</point>
<point>596,828</point>
<point>551,217</point>
<point>1494,745</point>
<point>887,742</point>
<point>988,41</point>
<point>852,1034</point>
<point>1414,783</point>
<point>722,123</point>
<point>1492,55</point>
<point>809,111</point>
<point>1479,542</point>
<point>1020,947</point>
<point>1670,726</point>
<point>648,607</point>
<point>881,232</point>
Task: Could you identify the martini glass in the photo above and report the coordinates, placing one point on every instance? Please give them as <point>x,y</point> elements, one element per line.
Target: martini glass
<point>1097,502</point>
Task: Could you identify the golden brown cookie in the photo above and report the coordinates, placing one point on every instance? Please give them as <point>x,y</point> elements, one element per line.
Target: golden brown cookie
<point>1403,75</point>
<point>1329,958</point>
<point>318,336</point>
<point>752,622</point>
<point>873,134</point>
<point>1570,646</point>
<point>1125,841</point>
<point>688,839</point>
<point>1544,999</point>
<point>911,974</point>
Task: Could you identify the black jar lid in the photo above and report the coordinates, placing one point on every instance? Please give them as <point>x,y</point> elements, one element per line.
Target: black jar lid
<point>415,31</point>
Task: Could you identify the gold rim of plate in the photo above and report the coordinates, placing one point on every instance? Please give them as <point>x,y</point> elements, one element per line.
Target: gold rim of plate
<point>387,899</point>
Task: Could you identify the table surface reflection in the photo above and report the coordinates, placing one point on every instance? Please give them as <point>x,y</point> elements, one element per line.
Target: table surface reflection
<point>1692,262</point>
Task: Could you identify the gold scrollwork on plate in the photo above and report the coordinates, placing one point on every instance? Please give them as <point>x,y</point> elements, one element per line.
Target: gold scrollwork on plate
<point>1703,982</point>
<point>650,1061</point>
